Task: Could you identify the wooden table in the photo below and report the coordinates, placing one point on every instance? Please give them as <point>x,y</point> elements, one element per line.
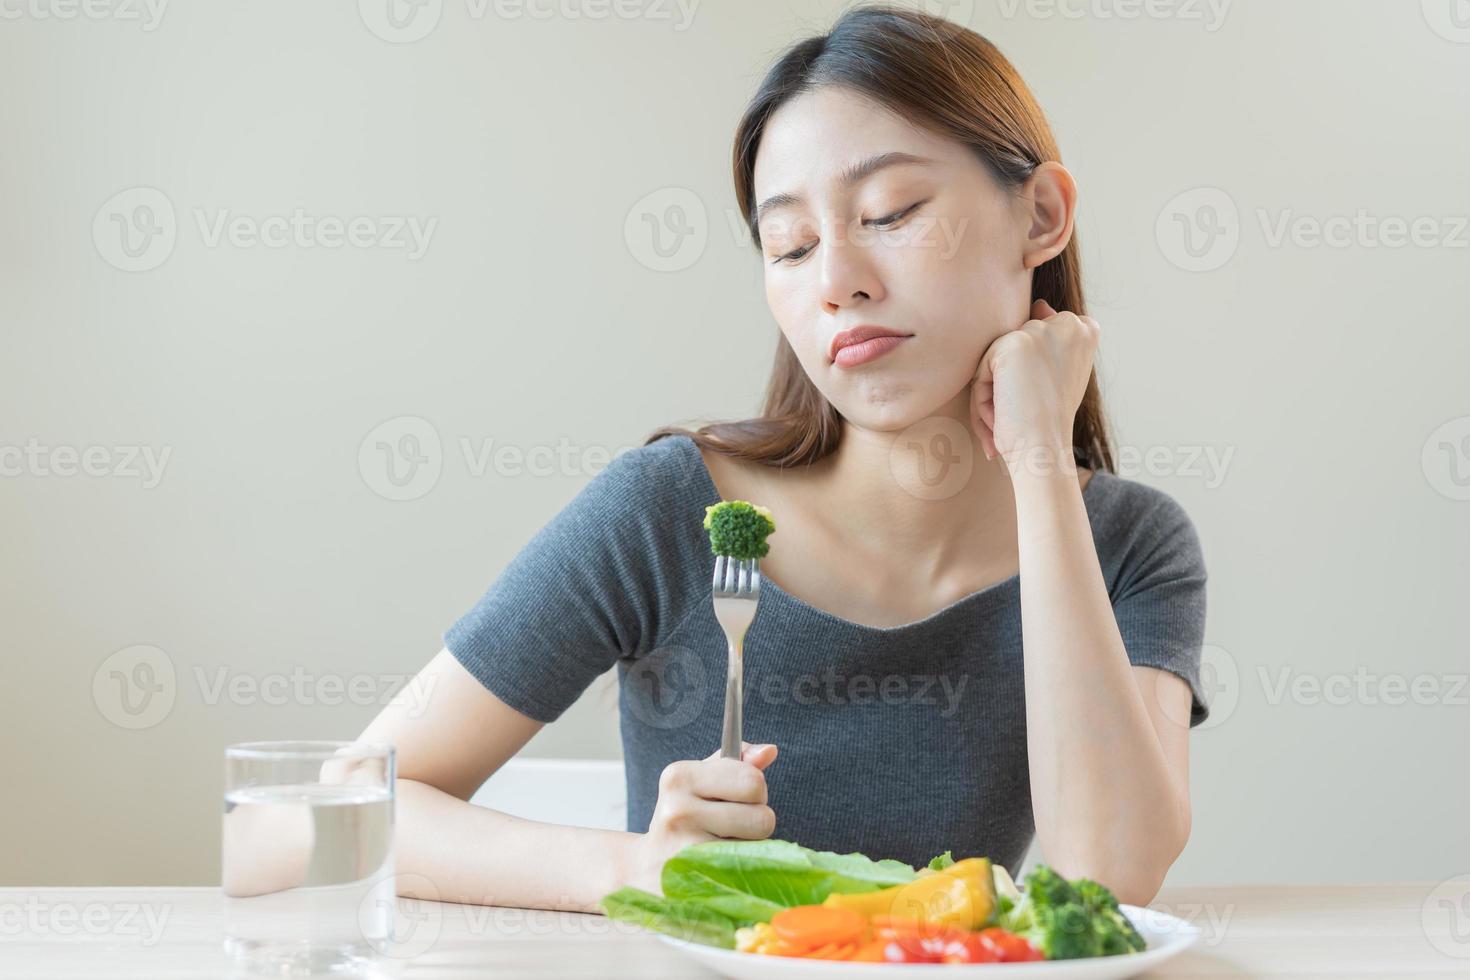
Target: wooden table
<point>161,933</point>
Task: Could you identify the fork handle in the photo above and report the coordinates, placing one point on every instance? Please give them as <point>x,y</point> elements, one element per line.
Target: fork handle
<point>730,740</point>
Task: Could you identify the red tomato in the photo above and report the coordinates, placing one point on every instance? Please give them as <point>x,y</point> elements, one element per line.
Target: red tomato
<point>1009,947</point>
<point>968,948</point>
<point>907,951</point>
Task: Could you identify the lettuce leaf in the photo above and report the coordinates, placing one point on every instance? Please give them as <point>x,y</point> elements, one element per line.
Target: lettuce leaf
<point>750,881</point>
<point>692,921</point>
<point>942,861</point>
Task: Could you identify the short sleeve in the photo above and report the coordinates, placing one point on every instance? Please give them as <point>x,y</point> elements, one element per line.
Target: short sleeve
<point>1160,603</point>
<point>571,602</point>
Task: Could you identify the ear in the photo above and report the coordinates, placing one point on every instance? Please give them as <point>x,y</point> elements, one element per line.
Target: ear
<point>1050,194</point>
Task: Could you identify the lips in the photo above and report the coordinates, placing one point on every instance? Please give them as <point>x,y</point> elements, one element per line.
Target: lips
<point>861,344</point>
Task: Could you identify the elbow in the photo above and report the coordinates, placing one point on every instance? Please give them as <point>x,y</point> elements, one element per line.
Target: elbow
<point>1138,888</point>
<point>1134,872</point>
<point>1139,883</point>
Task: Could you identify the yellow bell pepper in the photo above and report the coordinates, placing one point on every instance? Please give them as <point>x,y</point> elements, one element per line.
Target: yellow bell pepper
<point>961,895</point>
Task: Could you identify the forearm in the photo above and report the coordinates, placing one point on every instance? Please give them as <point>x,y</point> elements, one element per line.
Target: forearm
<point>1106,803</point>
<point>453,851</point>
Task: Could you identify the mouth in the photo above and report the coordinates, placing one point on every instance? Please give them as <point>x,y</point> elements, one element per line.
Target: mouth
<point>862,344</point>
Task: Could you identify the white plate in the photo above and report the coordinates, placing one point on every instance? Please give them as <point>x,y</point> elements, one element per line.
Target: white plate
<point>1166,936</point>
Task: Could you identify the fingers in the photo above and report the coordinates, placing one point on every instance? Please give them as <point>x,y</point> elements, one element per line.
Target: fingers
<point>739,820</point>
<point>719,779</point>
<point>987,441</point>
<point>986,409</point>
<point>760,756</point>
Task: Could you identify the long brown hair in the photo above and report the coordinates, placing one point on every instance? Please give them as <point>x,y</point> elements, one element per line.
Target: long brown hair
<point>951,80</point>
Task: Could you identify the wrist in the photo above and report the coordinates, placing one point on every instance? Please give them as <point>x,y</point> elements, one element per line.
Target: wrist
<point>1040,462</point>
<point>629,865</point>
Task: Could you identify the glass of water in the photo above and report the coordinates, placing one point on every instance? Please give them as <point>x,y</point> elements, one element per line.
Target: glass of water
<point>307,857</point>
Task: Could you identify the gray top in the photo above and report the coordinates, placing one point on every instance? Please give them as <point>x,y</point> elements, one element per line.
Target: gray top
<point>898,742</point>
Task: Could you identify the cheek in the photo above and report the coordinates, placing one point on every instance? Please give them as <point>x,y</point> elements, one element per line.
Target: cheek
<point>963,299</point>
<point>790,304</point>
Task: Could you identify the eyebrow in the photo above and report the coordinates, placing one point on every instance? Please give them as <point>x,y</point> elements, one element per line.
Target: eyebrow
<point>859,171</point>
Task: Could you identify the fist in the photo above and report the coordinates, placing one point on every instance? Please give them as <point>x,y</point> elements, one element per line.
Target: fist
<point>1031,381</point>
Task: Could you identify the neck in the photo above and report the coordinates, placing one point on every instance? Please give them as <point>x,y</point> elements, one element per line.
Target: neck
<point>925,493</point>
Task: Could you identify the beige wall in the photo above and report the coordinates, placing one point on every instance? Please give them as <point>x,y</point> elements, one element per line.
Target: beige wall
<point>1290,395</point>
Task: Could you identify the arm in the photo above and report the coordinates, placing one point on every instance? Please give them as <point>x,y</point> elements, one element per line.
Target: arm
<point>1107,741</point>
<point>451,850</point>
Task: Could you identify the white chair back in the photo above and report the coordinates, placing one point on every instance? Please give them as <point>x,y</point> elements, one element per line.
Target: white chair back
<point>574,792</point>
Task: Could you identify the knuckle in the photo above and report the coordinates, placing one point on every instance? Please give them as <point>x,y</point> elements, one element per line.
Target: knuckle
<point>752,785</point>
<point>674,777</point>
<point>677,814</point>
<point>765,821</point>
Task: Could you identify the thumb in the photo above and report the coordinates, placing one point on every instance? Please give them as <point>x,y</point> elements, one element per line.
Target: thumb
<point>1041,309</point>
<point>759,755</point>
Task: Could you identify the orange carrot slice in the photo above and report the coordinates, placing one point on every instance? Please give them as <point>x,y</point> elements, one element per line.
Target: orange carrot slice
<point>808,927</point>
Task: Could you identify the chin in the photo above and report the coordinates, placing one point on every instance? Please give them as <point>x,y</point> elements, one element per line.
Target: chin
<point>890,411</point>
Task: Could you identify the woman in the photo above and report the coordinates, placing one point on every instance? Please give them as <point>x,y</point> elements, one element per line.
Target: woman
<point>934,453</point>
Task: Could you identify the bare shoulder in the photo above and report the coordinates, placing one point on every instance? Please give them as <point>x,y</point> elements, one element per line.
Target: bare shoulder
<point>742,479</point>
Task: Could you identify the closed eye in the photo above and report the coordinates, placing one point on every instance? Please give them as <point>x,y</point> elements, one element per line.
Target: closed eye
<point>889,221</point>
<point>792,256</point>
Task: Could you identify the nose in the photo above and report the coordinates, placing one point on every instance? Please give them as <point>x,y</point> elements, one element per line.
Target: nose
<point>848,277</point>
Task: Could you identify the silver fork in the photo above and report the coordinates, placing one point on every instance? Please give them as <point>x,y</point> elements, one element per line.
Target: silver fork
<point>737,587</point>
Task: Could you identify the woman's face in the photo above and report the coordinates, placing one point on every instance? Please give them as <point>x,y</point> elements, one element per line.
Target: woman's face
<point>935,250</point>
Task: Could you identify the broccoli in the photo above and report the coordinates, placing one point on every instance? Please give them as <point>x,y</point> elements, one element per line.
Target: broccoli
<point>1118,933</point>
<point>1071,920</point>
<point>738,529</point>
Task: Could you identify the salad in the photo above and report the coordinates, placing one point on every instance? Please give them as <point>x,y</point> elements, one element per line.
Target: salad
<point>777,898</point>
